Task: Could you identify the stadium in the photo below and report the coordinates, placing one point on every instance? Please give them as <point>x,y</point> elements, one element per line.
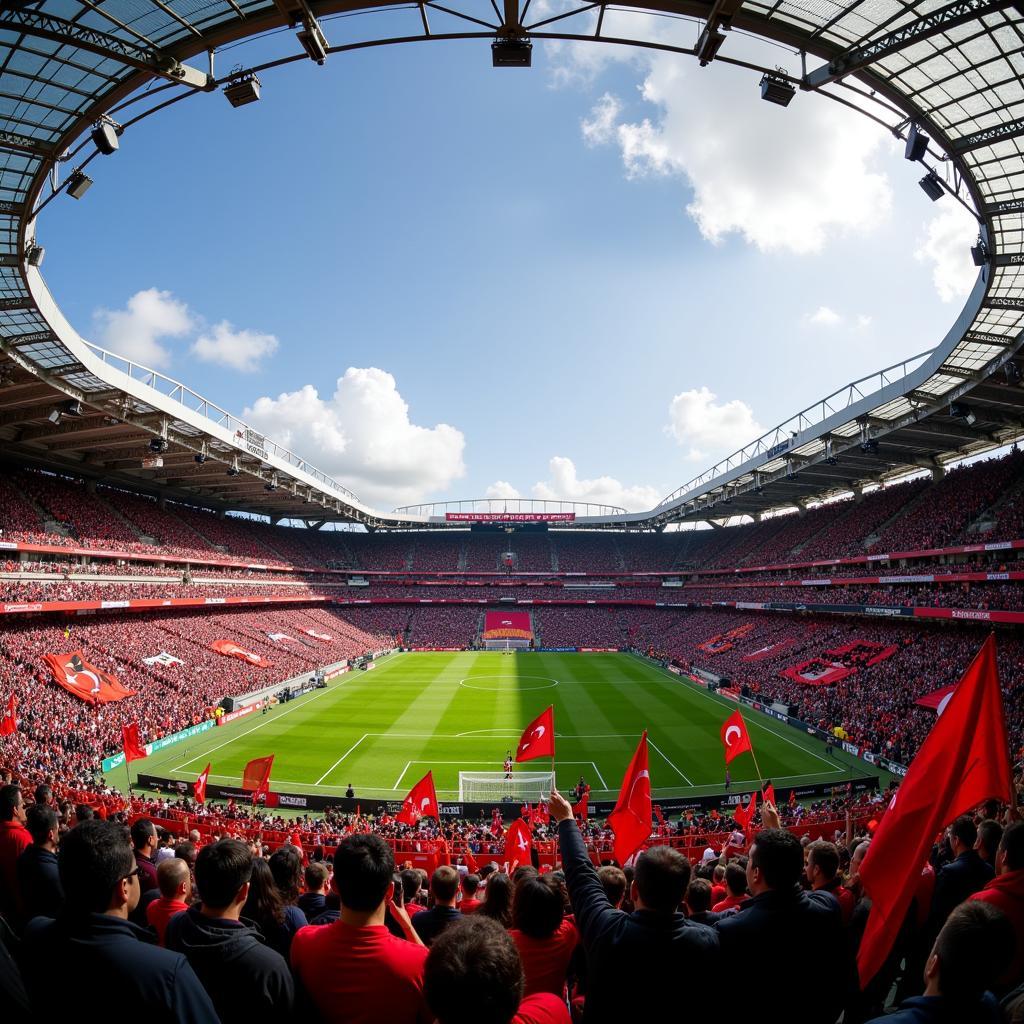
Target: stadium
<point>808,653</point>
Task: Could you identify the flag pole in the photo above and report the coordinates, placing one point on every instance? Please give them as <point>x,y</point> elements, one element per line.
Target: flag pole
<point>757,768</point>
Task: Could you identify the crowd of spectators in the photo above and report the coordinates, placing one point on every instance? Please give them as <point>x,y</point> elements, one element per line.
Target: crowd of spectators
<point>578,626</point>
<point>454,626</point>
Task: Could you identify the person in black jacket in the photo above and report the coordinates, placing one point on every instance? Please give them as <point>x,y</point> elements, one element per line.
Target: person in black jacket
<point>631,957</point>
<point>95,944</point>
<point>313,902</point>
<point>444,887</point>
<point>246,980</point>
<point>963,876</point>
<point>39,889</point>
<point>781,928</point>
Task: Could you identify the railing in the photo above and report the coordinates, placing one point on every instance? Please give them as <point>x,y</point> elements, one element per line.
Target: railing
<point>537,506</point>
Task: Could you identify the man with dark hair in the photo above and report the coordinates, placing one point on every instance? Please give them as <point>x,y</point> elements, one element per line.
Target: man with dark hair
<point>654,943</point>
<point>822,873</point>
<point>1006,891</point>
<point>39,888</point>
<point>735,886</point>
<point>83,812</point>
<point>474,975</point>
<point>444,887</point>
<point>698,902</point>
<point>411,885</point>
<point>14,840</point>
<point>973,948</point>
<point>470,887</point>
<point>247,980</point>
<point>355,971</point>
<point>989,834</point>
<point>145,840</point>
<point>781,925</point>
<point>313,902</point>
<point>94,942</point>
<point>43,794</point>
<point>613,881</point>
<point>963,876</point>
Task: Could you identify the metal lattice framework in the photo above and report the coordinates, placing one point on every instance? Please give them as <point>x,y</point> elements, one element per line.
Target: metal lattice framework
<point>954,70</point>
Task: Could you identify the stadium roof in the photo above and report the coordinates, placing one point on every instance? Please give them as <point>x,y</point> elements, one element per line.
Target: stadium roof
<point>953,69</point>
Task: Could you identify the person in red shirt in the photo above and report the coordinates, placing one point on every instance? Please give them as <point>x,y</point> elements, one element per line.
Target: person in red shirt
<point>174,881</point>
<point>474,976</point>
<point>412,883</point>
<point>736,888</point>
<point>822,870</point>
<point>1006,891</point>
<point>542,934</point>
<point>470,887</point>
<point>355,971</point>
<point>14,840</point>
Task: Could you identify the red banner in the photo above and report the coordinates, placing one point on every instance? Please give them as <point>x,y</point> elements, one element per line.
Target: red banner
<point>85,681</point>
<point>231,650</point>
<point>510,517</point>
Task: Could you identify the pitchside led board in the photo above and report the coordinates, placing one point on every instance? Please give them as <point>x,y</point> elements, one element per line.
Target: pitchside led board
<point>509,517</point>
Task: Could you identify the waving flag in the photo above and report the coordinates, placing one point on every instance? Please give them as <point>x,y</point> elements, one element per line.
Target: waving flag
<point>256,777</point>
<point>631,819</point>
<point>579,810</point>
<point>420,803</point>
<point>199,786</point>
<point>745,817</point>
<point>539,738</point>
<point>85,681</point>
<point>134,749</point>
<point>231,650</point>
<point>769,793</point>
<point>735,737</point>
<point>9,724</point>
<point>964,761</point>
<point>518,842</point>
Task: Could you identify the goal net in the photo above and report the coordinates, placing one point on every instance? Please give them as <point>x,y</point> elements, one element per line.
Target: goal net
<point>493,787</point>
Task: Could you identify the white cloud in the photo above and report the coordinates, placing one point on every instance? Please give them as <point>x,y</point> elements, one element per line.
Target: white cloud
<point>564,484</point>
<point>823,316</point>
<point>782,179</point>
<point>947,246</point>
<point>362,435</point>
<point>864,321</point>
<point>709,428</point>
<point>136,331</point>
<point>240,350</point>
<point>501,489</point>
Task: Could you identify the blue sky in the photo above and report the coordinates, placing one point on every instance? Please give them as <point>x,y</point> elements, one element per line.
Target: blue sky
<point>514,248</point>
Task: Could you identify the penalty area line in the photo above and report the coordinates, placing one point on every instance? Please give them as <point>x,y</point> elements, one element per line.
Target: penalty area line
<point>664,756</point>
<point>340,759</point>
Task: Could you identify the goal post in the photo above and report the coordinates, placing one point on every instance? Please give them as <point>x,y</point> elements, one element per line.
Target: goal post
<point>494,787</point>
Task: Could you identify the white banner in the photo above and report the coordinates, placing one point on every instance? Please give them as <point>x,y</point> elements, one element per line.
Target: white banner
<point>163,658</point>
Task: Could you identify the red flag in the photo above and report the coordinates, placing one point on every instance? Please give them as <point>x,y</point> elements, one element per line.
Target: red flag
<point>964,761</point>
<point>9,724</point>
<point>735,737</point>
<point>631,819</point>
<point>256,776</point>
<point>518,841</point>
<point>420,803</point>
<point>199,786</point>
<point>134,750</point>
<point>769,793</point>
<point>540,814</point>
<point>444,854</point>
<point>579,810</point>
<point>471,861</point>
<point>744,817</point>
<point>85,681</point>
<point>539,738</point>
<point>659,815</point>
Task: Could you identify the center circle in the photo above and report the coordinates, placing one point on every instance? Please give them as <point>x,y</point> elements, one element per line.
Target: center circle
<point>546,685</point>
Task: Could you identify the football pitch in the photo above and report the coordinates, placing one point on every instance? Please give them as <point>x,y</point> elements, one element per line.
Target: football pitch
<point>384,729</point>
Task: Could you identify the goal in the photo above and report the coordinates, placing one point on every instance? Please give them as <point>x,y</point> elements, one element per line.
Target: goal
<point>493,787</point>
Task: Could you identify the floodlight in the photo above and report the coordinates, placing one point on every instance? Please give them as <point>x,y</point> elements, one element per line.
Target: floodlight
<point>511,52</point>
<point>979,253</point>
<point>34,254</point>
<point>831,460</point>
<point>105,138</point>
<point>78,184</point>
<point>73,408</point>
<point>962,411</point>
<point>1013,374</point>
<point>708,45</point>
<point>775,89</point>
<point>233,470</point>
<point>243,90</point>
<point>917,144</point>
<point>869,446</point>
<point>55,415</point>
<point>313,41</point>
<point>200,458</point>
<point>158,445</point>
<point>270,486</point>
<point>932,186</point>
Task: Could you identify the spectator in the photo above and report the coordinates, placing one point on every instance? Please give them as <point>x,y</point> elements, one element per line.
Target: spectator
<point>545,938</point>
<point>646,947</point>
<point>145,840</point>
<point>613,881</point>
<point>277,921</point>
<point>411,885</point>
<point>735,887</point>
<point>175,883</point>
<point>698,902</point>
<point>444,888</point>
<point>963,876</point>
<point>313,902</point>
<point>39,887</point>
<point>973,948</point>
<point>246,980</point>
<point>474,976</point>
<point>14,840</point>
<point>780,925</point>
<point>497,903</point>
<point>470,887</point>
<point>989,835</point>
<point>823,875</point>
<point>1006,891</point>
<point>354,970</point>
<point>94,942</point>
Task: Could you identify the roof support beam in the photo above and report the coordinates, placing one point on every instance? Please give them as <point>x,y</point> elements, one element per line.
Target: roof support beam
<point>931,24</point>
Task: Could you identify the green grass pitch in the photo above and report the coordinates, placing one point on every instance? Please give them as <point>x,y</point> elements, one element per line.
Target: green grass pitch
<point>382,730</point>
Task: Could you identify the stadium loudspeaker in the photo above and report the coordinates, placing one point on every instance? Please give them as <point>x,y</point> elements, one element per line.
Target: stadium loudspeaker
<point>228,704</point>
<point>104,138</point>
<point>917,144</point>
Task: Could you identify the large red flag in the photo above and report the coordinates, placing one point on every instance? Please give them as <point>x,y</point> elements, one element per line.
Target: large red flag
<point>84,680</point>
<point>964,761</point>
<point>9,723</point>
<point>631,819</point>
<point>518,842</point>
<point>579,810</point>
<point>735,737</point>
<point>420,803</point>
<point>199,786</point>
<point>256,776</point>
<point>134,749</point>
<point>539,738</point>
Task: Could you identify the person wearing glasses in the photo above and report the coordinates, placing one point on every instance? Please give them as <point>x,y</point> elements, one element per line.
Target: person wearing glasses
<point>98,948</point>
